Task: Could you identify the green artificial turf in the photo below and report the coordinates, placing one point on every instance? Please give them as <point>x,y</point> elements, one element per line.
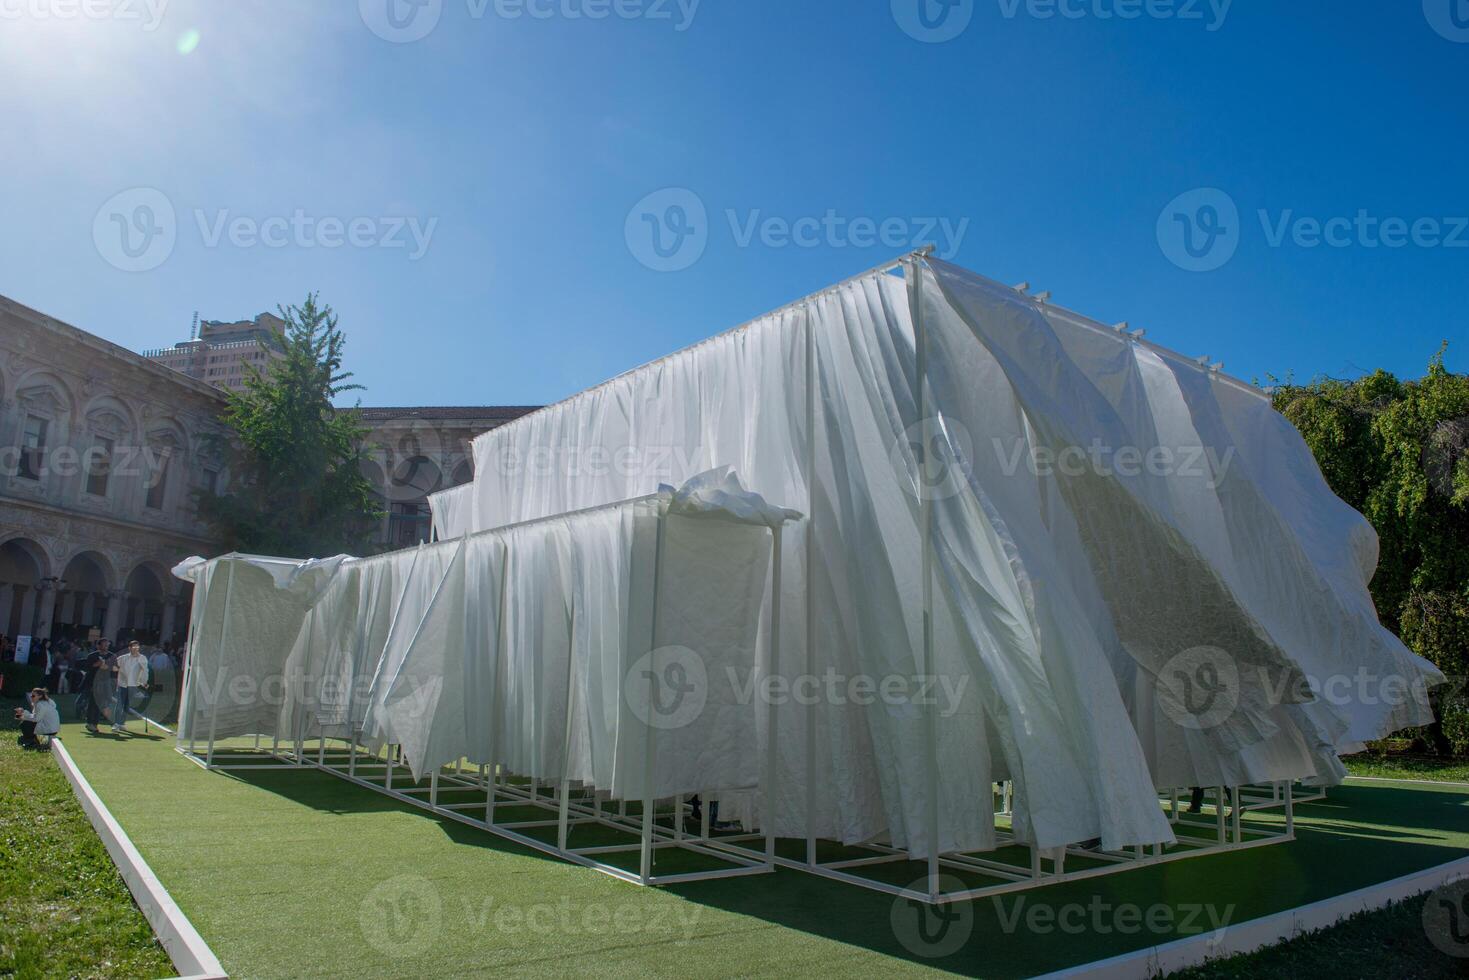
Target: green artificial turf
<point>64,909</point>
<point>292,873</point>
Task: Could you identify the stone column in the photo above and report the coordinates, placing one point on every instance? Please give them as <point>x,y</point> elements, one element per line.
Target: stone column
<point>112,622</point>
<point>7,599</point>
<point>45,608</point>
<point>27,612</point>
<point>170,609</point>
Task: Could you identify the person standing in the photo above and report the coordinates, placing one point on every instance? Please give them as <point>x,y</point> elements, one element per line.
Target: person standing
<point>94,667</point>
<point>132,673</point>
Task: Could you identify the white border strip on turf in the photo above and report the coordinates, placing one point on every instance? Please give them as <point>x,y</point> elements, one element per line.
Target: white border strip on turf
<point>190,954</point>
<point>1256,934</point>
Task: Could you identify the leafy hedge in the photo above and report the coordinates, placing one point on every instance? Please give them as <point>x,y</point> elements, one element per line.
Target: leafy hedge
<point>1398,451</point>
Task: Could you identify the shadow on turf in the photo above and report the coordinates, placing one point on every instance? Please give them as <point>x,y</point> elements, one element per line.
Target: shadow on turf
<point>1329,856</point>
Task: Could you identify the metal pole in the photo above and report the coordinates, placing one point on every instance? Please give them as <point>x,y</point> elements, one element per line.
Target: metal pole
<point>495,697</point>
<point>650,748</point>
<point>925,524</point>
<point>1290,809</point>
<point>810,585</point>
<point>224,630</point>
<point>561,820</point>
<point>771,736</point>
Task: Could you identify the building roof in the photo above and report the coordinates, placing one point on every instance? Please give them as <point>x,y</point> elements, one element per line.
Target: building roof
<point>479,413</point>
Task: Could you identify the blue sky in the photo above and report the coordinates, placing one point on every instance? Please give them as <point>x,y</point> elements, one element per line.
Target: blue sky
<point>1046,141</point>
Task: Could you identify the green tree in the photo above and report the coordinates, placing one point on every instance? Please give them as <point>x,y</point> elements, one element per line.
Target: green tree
<point>1398,451</point>
<point>296,487</point>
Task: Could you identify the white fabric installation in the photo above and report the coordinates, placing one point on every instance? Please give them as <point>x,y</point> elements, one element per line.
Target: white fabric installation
<point>1133,576</point>
<point>554,648</point>
<point>1078,611</point>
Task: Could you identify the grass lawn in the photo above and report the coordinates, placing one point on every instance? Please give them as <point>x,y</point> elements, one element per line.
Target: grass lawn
<point>64,910</point>
<point>1408,767</point>
<point>299,873</point>
<point>1384,943</point>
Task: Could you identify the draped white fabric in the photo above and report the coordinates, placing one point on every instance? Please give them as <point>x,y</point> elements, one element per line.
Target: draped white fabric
<point>555,648</point>
<point>452,511</point>
<point>1139,581</point>
<point>1061,598</point>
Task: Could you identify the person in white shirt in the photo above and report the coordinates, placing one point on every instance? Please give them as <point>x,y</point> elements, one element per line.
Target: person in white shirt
<point>132,673</point>
<point>40,719</point>
<point>160,665</point>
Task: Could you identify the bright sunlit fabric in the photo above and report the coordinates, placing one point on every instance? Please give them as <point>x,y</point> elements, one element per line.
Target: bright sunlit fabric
<point>1069,602</point>
<point>529,647</point>
<point>1138,581</point>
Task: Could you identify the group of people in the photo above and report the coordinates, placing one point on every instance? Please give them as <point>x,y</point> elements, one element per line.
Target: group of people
<point>105,682</point>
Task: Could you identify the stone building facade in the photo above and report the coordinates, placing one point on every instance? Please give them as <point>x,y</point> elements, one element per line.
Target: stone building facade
<point>100,452</point>
<point>413,452</point>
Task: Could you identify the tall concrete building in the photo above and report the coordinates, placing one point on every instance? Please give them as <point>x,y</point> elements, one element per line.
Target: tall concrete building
<point>221,353</point>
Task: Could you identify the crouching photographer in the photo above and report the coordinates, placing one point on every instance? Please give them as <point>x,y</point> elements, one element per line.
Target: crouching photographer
<point>41,720</point>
